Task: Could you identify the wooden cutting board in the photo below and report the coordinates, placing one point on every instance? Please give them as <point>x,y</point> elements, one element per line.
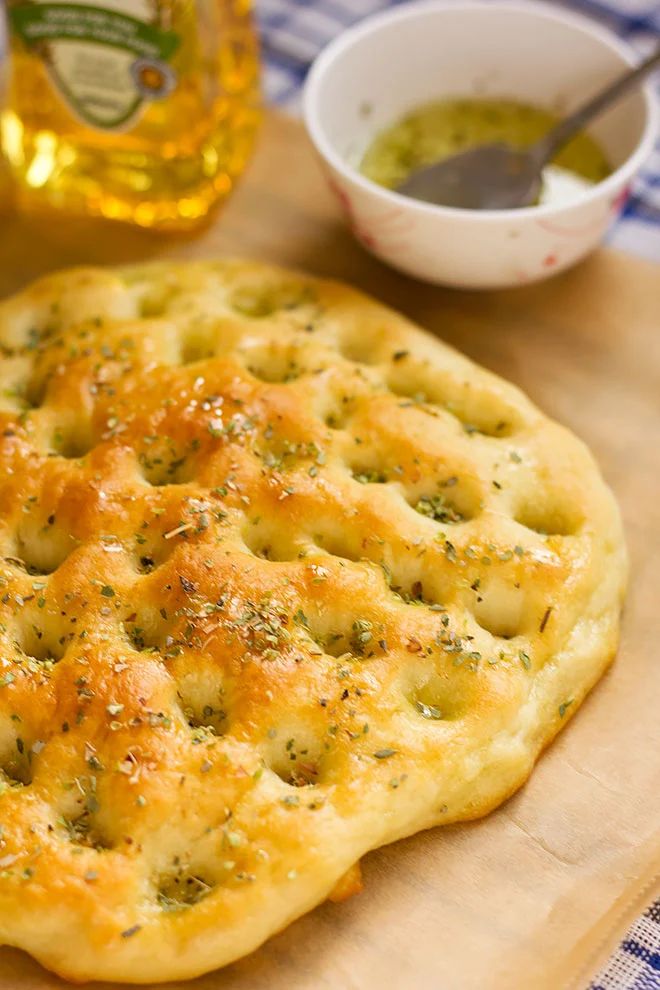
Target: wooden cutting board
<point>531,896</point>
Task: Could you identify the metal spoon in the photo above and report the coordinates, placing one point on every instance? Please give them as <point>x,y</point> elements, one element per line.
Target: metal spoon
<point>498,177</point>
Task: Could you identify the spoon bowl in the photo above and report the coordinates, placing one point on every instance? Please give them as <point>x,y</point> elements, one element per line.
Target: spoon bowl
<point>490,177</point>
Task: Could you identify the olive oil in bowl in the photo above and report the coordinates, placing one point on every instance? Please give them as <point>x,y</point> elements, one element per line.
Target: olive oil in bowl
<point>438,130</point>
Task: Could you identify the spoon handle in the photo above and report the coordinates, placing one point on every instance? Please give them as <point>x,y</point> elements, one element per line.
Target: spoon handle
<point>551,142</point>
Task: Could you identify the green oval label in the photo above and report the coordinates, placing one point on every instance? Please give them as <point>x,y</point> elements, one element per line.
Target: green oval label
<point>105,63</point>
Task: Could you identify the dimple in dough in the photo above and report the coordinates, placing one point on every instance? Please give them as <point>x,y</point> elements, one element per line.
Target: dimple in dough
<point>283,579</point>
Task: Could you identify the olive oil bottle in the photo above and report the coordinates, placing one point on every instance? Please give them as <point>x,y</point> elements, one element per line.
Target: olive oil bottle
<point>136,110</point>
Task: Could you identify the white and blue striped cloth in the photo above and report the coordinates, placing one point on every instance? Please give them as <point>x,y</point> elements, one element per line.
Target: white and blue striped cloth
<point>294,31</point>
<point>636,963</point>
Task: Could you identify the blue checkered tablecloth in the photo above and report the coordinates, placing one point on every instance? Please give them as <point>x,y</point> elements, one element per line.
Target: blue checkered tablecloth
<point>294,31</point>
<point>636,963</point>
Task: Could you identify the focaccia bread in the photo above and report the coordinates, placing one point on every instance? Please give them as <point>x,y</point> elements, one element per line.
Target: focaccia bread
<point>282,578</point>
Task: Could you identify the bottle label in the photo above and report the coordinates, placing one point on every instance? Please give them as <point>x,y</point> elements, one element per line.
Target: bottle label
<point>106,62</point>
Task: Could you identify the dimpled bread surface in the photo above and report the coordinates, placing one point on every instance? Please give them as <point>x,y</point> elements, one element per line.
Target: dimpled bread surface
<point>282,578</point>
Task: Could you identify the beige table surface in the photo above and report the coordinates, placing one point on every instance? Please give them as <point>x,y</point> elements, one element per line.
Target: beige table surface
<point>527,896</point>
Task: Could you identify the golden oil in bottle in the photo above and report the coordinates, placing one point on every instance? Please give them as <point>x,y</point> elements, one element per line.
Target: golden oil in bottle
<point>136,110</point>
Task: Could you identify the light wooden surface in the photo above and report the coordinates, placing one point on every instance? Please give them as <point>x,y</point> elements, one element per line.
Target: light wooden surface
<point>525,897</point>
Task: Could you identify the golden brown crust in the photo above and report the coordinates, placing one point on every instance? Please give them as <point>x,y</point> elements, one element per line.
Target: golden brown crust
<point>284,579</point>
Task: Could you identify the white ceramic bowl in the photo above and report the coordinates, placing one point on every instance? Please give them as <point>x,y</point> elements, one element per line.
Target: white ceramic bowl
<point>374,73</point>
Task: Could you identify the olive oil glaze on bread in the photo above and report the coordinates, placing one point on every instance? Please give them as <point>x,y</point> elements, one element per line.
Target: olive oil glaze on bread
<point>283,579</point>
